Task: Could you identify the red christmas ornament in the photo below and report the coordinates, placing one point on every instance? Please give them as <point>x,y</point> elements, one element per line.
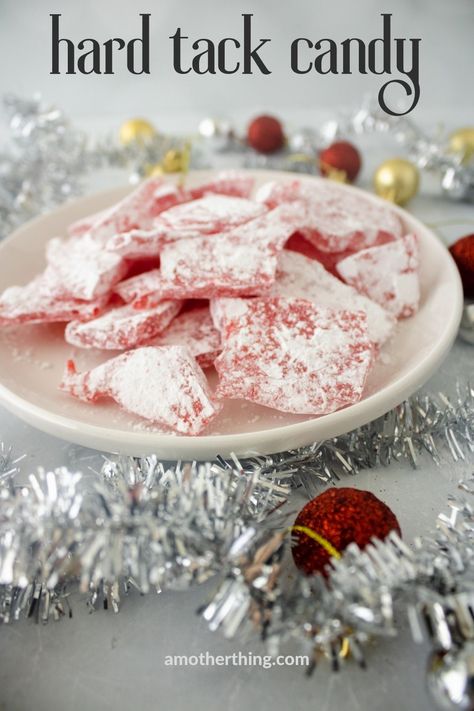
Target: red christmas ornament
<point>462,252</point>
<point>336,518</point>
<point>340,161</point>
<point>265,134</point>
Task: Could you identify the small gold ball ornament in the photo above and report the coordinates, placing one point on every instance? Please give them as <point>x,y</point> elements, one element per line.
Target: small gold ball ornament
<point>174,161</point>
<point>136,130</point>
<point>462,142</point>
<point>397,180</point>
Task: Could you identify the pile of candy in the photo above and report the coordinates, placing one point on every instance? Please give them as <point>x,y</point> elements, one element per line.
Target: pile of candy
<point>302,285</point>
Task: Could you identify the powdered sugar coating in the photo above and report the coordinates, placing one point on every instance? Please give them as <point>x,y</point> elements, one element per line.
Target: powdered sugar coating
<point>163,385</point>
<point>41,301</point>
<point>205,267</point>
<point>290,355</point>
<point>331,218</point>
<point>82,268</point>
<point>304,278</point>
<point>388,274</point>
<point>208,215</point>
<point>123,327</point>
<point>136,211</point>
<point>195,330</point>
<point>234,183</point>
<point>139,286</point>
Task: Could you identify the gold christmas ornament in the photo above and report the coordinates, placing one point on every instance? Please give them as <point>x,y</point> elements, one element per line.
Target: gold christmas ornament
<point>462,142</point>
<point>136,130</point>
<point>397,180</point>
<point>174,161</point>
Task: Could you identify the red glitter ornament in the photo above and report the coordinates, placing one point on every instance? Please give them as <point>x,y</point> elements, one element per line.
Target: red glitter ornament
<point>462,252</point>
<point>265,134</point>
<point>337,517</point>
<point>340,161</point>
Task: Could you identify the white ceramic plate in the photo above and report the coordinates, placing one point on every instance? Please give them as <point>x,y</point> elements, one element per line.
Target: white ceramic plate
<point>32,358</point>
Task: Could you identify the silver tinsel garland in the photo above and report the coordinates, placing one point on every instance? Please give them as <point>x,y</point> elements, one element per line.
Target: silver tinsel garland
<point>48,158</point>
<point>138,523</point>
<point>141,522</point>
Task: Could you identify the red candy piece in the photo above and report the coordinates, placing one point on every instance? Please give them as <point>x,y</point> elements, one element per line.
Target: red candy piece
<point>123,327</point>
<point>333,219</point>
<point>387,274</point>
<point>234,263</point>
<point>205,267</point>
<point>209,215</point>
<point>135,212</point>
<point>85,224</point>
<point>195,330</point>
<point>303,278</point>
<point>290,355</point>
<point>164,385</point>
<point>329,260</point>
<point>228,182</point>
<point>40,302</point>
<point>139,286</point>
<point>82,268</point>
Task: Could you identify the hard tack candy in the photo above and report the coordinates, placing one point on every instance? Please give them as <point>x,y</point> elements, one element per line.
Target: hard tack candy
<point>123,327</point>
<point>209,215</point>
<point>228,182</point>
<point>195,330</point>
<point>333,219</point>
<point>290,355</point>
<point>40,301</point>
<point>205,267</point>
<point>303,278</point>
<point>135,212</point>
<point>82,268</point>
<point>388,274</point>
<point>164,385</point>
<point>240,261</point>
<point>139,286</point>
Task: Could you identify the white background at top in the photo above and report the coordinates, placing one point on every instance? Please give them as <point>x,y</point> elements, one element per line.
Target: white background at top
<point>445,26</point>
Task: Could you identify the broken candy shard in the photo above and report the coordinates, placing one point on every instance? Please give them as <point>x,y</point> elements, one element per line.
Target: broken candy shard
<point>82,268</point>
<point>40,302</point>
<point>139,286</point>
<point>290,355</point>
<point>304,278</point>
<point>123,327</point>
<point>135,212</point>
<point>205,267</point>
<point>388,274</point>
<point>334,219</point>
<point>209,215</point>
<point>226,264</point>
<point>227,182</point>
<point>195,330</point>
<point>164,385</point>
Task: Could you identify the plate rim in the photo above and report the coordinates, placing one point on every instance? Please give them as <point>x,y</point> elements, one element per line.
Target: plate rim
<point>208,446</point>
